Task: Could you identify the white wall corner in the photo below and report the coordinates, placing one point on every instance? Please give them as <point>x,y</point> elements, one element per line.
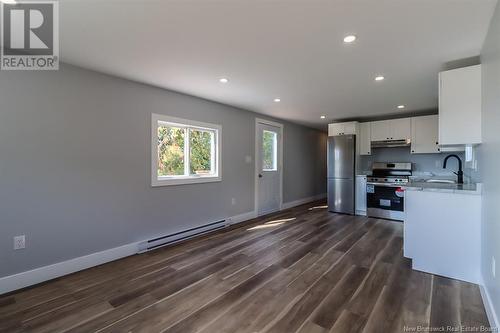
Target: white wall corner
<point>488,305</point>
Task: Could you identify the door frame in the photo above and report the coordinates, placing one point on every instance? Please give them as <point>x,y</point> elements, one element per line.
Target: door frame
<point>280,161</point>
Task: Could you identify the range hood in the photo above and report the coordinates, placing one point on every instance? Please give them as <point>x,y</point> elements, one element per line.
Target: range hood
<point>391,143</point>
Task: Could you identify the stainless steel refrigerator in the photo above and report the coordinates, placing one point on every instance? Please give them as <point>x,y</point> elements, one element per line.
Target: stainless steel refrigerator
<point>341,173</point>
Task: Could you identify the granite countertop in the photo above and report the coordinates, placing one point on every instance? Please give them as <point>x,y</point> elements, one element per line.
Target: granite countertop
<point>442,187</point>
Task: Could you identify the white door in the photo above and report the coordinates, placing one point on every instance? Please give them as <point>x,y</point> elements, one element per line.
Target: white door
<point>269,168</point>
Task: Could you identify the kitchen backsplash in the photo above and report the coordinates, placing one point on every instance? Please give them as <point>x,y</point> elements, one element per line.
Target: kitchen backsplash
<point>425,165</point>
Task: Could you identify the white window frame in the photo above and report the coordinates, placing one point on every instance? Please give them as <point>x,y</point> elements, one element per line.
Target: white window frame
<point>156,119</point>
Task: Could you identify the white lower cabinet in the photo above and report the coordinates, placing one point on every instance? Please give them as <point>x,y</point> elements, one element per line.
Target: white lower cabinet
<point>361,195</point>
<point>442,233</point>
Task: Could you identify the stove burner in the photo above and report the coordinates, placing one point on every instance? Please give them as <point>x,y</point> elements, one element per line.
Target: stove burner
<point>390,173</point>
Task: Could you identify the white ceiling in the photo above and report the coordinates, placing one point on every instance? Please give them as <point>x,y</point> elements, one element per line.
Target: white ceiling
<point>287,49</point>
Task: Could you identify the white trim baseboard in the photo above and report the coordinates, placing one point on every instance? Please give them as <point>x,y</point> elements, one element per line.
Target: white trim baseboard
<point>49,272</point>
<point>488,305</point>
<point>302,201</point>
<point>45,273</point>
<point>241,218</point>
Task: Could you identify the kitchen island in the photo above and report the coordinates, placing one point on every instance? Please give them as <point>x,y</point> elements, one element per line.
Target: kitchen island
<point>442,230</point>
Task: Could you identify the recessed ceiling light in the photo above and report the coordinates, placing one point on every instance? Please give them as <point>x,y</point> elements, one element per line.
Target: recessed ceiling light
<point>323,117</point>
<point>401,106</point>
<point>223,80</point>
<point>277,100</point>
<point>379,78</point>
<point>349,39</point>
<point>9,2</point>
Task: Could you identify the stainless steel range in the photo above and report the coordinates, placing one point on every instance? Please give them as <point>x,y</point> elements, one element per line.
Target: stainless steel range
<point>384,195</point>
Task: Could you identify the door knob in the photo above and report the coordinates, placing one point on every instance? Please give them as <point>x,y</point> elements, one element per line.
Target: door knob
<point>260,175</point>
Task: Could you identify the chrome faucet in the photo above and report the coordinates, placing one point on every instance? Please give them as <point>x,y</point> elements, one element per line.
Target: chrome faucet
<point>460,173</point>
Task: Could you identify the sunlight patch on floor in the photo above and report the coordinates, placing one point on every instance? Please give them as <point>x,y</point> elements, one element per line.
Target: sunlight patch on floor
<point>318,207</point>
<point>271,224</point>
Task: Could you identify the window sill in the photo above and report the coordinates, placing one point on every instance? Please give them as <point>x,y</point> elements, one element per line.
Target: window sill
<point>184,181</point>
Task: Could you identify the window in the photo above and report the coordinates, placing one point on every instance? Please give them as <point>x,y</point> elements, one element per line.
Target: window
<point>184,151</point>
<point>270,151</point>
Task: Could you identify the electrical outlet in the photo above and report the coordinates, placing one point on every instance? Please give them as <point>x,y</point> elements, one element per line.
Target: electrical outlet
<point>233,201</point>
<point>493,267</point>
<point>19,242</point>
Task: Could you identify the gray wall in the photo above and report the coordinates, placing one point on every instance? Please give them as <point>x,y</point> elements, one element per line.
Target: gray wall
<point>422,163</point>
<point>490,159</point>
<point>75,165</point>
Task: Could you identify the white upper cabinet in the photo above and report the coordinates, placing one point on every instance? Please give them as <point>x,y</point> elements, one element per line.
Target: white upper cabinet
<point>380,130</point>
<point>400,129</point>
<point>460,106</point>
<point>365,146</point>
<point>351,127</point>
<point>424,135</point>
<point>343,128</point>
<point>335,129</point>
<point>394,129</point>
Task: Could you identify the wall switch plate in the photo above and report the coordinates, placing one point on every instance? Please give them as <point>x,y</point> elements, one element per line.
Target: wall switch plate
<point>233,201</point>
<point>493,267</point>
<point>19,242</point>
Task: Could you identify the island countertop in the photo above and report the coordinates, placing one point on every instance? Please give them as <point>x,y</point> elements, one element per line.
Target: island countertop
<point>472,188</point>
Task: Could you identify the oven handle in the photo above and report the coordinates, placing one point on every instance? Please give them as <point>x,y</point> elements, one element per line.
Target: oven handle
<point>385,184</point>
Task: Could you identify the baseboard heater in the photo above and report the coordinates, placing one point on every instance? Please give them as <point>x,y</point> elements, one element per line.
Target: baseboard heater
<point>158,242</point>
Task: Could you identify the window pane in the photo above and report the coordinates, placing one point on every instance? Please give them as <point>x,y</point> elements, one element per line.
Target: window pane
<point>201,155</point>
<point>170,150</point>
<point>269,154</point>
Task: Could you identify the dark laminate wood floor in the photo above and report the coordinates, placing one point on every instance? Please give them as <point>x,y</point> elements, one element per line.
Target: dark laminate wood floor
<point>301,270</point>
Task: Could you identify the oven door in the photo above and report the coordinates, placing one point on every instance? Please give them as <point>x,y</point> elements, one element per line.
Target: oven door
<point>385,201</point>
